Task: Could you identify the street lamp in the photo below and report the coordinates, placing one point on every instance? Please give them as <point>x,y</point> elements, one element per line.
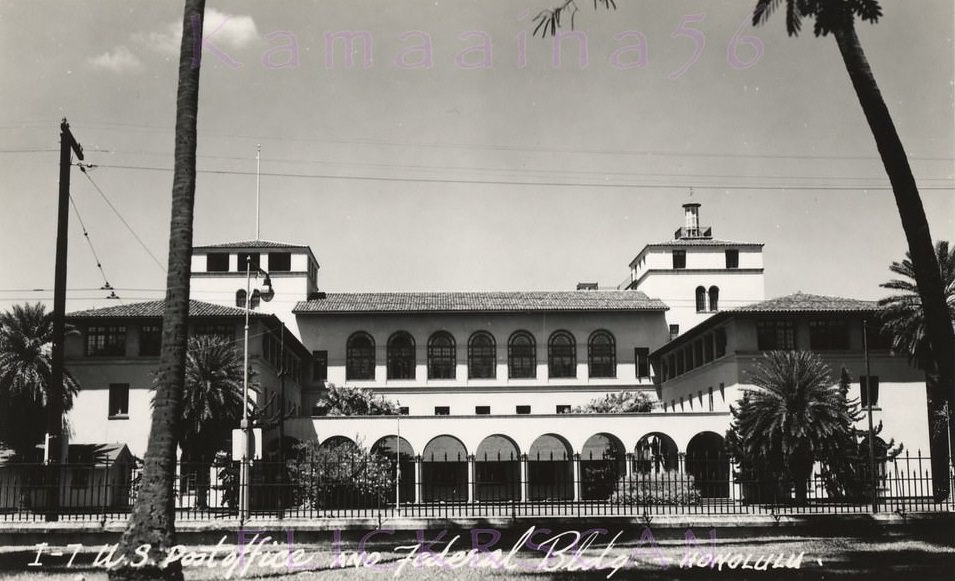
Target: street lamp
<point>265,293</point>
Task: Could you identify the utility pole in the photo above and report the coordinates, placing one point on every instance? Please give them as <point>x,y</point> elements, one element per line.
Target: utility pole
<point>54,427</point>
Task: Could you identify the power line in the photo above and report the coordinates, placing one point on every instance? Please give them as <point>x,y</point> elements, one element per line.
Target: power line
<point>681,186</point>
<point>89,242</point>
<point>113,126</point>
<point>83,168</point>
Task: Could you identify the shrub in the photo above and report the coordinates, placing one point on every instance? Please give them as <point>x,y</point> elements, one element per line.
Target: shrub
<point>656,488</point>
<point>342,475</point>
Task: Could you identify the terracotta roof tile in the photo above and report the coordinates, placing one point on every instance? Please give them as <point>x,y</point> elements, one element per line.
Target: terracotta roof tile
<point>804,302</point>
<point>481,302</point>
<point>151,309</point>
<point>250,244</point>
<point>680,243</point>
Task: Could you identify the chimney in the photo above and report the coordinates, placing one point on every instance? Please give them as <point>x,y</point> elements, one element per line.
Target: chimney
<point>586,286</point>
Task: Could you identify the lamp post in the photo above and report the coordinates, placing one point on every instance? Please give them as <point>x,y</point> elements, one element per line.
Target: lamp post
<point>398,462</point>
<point>265,293</point>
<point>868,397</point>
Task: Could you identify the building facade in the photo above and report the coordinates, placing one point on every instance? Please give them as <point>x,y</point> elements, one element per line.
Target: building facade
<point>488,382</point>
<point>114,354</point>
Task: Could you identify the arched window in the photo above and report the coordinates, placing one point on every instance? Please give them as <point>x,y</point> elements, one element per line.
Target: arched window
<point>714,298</point>
<point>360,357</point>
<point>441,359</point>
<point>700,299</point>
<point>240,298</point>
<point>401,356</point>
<point>522,356</point>
<point>562,355</point>
<point>482,356</point>
<point>602,355</point>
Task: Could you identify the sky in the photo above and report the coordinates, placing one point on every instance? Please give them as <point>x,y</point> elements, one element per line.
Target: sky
<point>456,151</point>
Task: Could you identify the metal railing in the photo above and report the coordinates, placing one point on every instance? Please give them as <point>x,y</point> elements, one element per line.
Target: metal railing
<point>516,486</point>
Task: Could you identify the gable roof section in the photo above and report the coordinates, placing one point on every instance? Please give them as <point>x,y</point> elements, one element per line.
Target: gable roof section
<point>154,309</point>
<point>794,304</point>
<point>808,303</point>
<point>485,302</point>
<point>681,242</point>
<point>251,244</point>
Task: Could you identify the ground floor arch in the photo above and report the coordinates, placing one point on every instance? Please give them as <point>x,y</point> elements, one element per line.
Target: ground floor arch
<point>400,456</point>
<point>497,469</point>
<point>656,452</point>
<point>602,464</point>
<point>708,464</point>
<point>444,470</point>
<point>550,469</point>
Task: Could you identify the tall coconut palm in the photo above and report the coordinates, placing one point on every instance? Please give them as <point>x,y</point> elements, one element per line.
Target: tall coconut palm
<point>838,18</point>
<point>26,367</point>
<point>790,418</point>
<point>152,521</point>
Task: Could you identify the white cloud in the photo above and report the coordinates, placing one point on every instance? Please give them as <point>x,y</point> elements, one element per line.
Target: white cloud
<point>118,60</point>
<point>225,30</point>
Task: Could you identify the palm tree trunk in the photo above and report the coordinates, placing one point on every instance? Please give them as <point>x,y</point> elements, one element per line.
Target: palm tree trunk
<point>153,518</point>
<point>914,223</point>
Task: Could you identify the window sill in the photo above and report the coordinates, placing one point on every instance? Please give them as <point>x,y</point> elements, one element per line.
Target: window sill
<point>119,417</point>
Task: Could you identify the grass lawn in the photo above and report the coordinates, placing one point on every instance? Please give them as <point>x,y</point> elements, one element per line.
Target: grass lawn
<point>891,554</point>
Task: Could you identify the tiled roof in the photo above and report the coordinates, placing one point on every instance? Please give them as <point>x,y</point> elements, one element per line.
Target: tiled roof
<point>250,244</point>
<point>803,302</point>
<point>155,309</point>
<point>481,302</point>
<point>790,304</point>
<point>681,242</point>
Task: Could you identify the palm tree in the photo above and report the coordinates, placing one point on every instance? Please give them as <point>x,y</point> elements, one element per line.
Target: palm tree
<point>904,319</point>
<point>212,404</point>
<point>26,367</point>
<point>152,521</point>
<point>790,419</point>
<point>838,18</point>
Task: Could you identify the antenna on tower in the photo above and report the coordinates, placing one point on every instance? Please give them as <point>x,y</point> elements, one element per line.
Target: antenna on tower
<point>258,151</point>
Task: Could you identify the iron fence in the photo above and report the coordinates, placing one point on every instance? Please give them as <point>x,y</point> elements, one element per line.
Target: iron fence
<point>516,487</point>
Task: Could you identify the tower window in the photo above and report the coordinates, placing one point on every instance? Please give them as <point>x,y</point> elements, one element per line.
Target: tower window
<point>217,262</point>
<point>679,259</point>
<point>248,260</point>
<point>732,258</point>
<point>280,261</point>
<point>700,299</point>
